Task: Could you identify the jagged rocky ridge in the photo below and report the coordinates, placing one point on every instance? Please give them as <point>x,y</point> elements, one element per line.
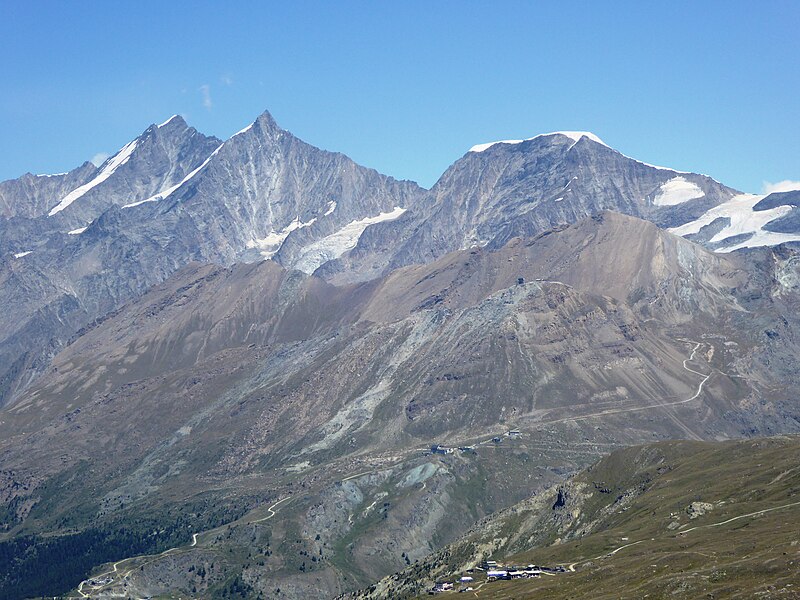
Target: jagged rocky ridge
<point>75,246</point>
<point>167,198</point>
<point>507,190</point>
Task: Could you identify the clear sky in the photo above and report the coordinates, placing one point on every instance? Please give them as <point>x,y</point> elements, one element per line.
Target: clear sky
<point>407,87</point>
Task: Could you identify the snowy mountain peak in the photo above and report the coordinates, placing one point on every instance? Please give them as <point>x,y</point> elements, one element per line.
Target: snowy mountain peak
<point>575,136</point>
<point>171,149</point>
<point>106,170</point>
<point>263,124</point>
<point>170,120</point>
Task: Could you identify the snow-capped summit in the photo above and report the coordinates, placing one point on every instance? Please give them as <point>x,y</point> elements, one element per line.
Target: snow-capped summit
<point>575,136</point>
<point>157,160</point>
<point>169,120</point>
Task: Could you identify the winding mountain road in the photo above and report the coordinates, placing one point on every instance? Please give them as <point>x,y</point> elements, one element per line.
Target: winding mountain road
<point>752,514</point>
<point>115,567</point>
<point>614,411</point>
<point>273,509</point>
<point>356,476</point>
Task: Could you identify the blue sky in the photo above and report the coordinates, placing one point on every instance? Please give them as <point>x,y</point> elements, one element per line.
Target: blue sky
<point>407,87</point>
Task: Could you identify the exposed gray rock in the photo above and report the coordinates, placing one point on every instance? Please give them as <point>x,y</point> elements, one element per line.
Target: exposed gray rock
<point>169,197</point>
<point>519,190</point>
<point>789,223</point>
<point>709,231</point>
<point>779,199</point>
<point>698,509</point>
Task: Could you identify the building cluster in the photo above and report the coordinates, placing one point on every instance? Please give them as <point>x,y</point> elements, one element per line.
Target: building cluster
<point>493,571</point>
<point>513,434</point>
<point>514,573</point>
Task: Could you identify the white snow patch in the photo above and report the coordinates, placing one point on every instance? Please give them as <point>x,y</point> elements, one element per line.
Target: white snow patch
<point>21,254</point>
<point>52,174</point>
<point>331,208</point>
<point>558,199</point>
<point>111,165</point>
<point>641,162</point>
<point>487,145</point>
<point>269,245</point>
<point>77,231</point>
<point>743,220</point>
<point>677,191</point>
<point>164,193</point>
<point>167,121</point>
<point>764,238</point>
<point>575,136</point>
<point>246,129</point>
<point>155,198</point>
<point>336,244</point>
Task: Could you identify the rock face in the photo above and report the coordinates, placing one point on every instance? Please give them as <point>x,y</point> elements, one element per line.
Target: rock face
<point>32,196</point>
<point>38,210</point>
<point>167,198</point>
<point>522,189</point>
<point>57,272</point>
<point>698,509</point>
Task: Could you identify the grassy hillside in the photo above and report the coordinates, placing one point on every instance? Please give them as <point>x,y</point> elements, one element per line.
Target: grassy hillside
<point>667,520</point>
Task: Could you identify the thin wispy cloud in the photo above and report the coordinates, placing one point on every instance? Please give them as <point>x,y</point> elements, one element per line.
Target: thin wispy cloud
<point>205,92</point>
<point>99,158</point>
<point>787,185</point>
<point>226,79</point>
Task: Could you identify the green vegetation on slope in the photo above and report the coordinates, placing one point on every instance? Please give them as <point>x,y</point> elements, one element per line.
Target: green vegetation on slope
<point>673,519</point>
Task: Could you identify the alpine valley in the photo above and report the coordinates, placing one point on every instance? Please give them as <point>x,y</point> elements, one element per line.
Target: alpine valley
<point>257,369</point>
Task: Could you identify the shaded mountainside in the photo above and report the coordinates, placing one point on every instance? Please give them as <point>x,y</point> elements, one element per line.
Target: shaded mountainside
<point>668,520</point>
<point>224,391</point>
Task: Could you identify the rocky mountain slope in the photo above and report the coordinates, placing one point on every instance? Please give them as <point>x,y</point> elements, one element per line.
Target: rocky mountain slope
<point>508,189</point>
<point>673,519</point>
<point>42,210</point>
<point>223,391</point>
<point>75,246</point>
<point>167,198</point>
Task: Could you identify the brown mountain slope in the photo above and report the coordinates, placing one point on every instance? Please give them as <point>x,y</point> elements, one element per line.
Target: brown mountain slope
<point>234,388</point>
<point>610,254</point>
